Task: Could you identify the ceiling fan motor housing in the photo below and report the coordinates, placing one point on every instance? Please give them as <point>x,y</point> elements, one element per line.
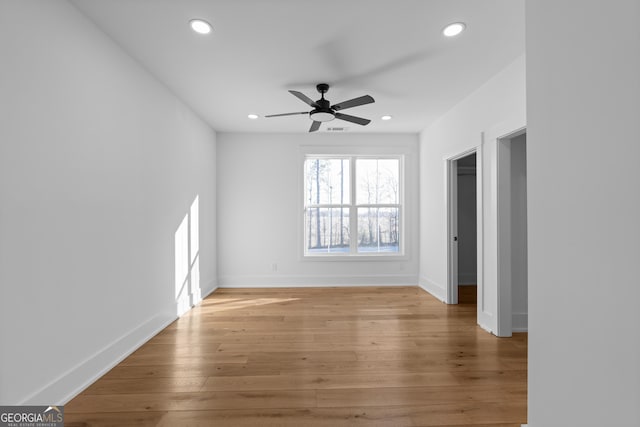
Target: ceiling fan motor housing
<point>322,88</point>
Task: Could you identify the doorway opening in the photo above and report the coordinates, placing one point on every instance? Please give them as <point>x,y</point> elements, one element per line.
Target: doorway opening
<point>467,230</point>
<point>512,234</point>
<point>464,192</point>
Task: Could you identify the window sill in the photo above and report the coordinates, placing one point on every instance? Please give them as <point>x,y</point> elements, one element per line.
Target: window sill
<point>356,258</point>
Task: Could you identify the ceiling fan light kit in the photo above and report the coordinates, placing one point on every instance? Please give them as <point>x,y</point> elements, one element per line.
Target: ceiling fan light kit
<point>321,116</point>
<point>323,111</point>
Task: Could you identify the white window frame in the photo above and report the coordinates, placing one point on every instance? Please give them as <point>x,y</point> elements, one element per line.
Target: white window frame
<point>353,206</point>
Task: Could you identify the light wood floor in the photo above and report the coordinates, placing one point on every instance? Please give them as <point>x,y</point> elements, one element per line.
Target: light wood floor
<point>316,357</point>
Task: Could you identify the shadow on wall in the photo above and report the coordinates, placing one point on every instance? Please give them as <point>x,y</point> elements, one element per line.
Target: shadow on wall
<point>187,261</point>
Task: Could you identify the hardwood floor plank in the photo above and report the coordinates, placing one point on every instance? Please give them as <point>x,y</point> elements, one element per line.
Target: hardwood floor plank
<point>147,385</point>
<point>476,414</point>
<point>371,345</point>
<point>187,358</point>
<point>310,417</point>
<point>120,419</point>
<point>252,338</point>
<point>412,396</point>
<point>192,401</point>
<point>261,356</point>
<point>494,378</point>
<point>369,367</point>
<point>320,382</point>
<point>193,370</point>
<point>154,348</point>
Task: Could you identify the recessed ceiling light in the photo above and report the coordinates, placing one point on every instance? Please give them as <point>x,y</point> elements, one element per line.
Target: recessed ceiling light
<point>200,26</point>
<point>386,117</point>
<point>454,29</point>
<point>253,116</point>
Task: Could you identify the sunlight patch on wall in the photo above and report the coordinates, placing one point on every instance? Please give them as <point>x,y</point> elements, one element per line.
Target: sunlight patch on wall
<point>187,261</point>
<point>194,249</point>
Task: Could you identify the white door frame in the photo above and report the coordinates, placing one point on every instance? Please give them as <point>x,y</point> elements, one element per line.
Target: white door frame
<point>452,230</point>
<point>503,197</point>
<point>451,189</point>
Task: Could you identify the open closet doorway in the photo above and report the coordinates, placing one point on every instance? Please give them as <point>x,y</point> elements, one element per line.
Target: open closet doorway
<point>464,235</point>
<point>467,231</point>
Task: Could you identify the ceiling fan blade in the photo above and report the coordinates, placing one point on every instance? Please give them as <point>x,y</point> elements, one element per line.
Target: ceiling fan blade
<point>353,119</point>
<point>314,126</point>
<point>366,99</point>
<point>287,114</point>
<point>304,98</point>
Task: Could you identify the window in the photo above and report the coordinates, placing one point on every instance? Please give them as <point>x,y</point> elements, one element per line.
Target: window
<point>352,205</point>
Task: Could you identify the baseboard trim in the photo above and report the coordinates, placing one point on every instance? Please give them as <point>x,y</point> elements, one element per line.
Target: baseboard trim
<point>433,288</point>
<point>294,281</point>
<point>213,285</point>
<point>467,279</point>
<point>75,380</point>
<point>209,292</point>
<point>520,322</point>
<point>309,285</point>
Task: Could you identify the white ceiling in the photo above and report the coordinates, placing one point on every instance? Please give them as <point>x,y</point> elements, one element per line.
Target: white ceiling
<point>391,50</point>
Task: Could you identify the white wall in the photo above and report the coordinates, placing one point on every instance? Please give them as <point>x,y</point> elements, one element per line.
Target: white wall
<point>260,211</point>
<point>99,164</point>
<point>583,86</point>
<point>518,235</point>
<point>494,110</point>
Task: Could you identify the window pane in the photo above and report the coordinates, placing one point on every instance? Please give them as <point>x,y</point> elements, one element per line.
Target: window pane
<point>377,181</point>
<point>378,229</point>
<point>326,181</point>
<point>327,230</point>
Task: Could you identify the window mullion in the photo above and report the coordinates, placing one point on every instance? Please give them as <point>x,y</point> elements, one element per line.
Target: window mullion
<point>353,217</point>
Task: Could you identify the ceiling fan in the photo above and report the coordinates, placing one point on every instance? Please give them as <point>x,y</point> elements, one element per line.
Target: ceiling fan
<point>323,111</point>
